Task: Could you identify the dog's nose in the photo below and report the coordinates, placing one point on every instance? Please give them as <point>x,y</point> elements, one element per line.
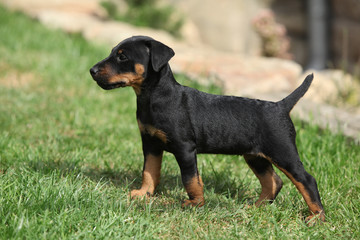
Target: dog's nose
<point>94,70</point>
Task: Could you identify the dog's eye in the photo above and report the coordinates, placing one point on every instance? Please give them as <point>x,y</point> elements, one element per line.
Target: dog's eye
<point>121,57</point>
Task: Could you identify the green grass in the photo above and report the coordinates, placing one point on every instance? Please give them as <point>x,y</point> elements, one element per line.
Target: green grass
<point>146,13</point>
<point>70,153</point>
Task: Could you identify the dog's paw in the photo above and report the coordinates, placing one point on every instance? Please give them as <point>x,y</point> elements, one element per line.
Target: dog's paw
<point>193,203</point>
<point>314,219</point>
<point>139,193</point>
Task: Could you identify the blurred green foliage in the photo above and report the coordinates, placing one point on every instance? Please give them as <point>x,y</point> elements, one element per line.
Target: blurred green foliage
<point>146,13</point>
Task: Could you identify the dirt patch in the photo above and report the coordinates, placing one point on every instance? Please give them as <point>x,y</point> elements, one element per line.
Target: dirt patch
<point>12,78</point>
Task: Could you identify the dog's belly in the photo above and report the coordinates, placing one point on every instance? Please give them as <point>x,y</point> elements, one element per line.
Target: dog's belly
<point>223,141</point>
<point>227,150</point>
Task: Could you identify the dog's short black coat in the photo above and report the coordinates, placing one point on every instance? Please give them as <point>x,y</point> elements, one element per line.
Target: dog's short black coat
<point>185,122</point>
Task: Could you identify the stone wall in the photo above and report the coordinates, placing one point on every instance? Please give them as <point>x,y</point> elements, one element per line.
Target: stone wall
<point>225,25</point>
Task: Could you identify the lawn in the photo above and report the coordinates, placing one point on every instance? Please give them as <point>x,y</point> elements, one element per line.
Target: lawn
<point>70,153</point>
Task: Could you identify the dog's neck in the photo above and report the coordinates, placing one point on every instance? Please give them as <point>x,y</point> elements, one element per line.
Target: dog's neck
<point>157,81</point>
<point>160,83</point>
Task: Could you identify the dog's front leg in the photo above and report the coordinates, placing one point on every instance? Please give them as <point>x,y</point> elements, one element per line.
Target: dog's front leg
<point>150,175</point>
<point>191,178</point>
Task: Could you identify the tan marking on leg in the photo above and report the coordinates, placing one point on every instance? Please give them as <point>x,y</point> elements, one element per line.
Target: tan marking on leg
<point>270,182</point>
<point>270,186</point>
<point>314,208</point>
<point>266,157</point>
<point>195,190</point>
<point>152,131</point>
<point>150,176</point>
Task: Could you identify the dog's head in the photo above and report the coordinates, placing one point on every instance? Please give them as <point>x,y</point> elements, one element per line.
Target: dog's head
<point>129,62</point>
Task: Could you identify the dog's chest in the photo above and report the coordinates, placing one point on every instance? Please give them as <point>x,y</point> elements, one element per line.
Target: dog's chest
<point>149,129</point>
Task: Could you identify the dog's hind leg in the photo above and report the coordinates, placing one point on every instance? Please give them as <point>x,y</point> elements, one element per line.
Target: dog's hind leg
<point>287,159</point>
<point>271,183</point>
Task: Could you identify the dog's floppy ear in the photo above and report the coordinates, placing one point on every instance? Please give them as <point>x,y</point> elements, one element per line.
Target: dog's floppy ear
<point>160,54</point>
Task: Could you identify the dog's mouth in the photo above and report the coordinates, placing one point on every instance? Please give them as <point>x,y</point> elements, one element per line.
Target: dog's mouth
<point>109,86</point>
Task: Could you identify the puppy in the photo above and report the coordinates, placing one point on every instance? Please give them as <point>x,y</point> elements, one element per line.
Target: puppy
<point>187,122</point>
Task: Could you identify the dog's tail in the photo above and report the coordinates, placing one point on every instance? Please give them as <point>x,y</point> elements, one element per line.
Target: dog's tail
<point>290,101</point>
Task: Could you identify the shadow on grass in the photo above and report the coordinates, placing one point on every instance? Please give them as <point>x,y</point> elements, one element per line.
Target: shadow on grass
<point>127,178</point>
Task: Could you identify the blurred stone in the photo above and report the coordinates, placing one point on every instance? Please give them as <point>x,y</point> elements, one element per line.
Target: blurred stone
<point>112,32</point>
<point>71,22</point>
<point>34,7</point>
<point>225,25</point>
<point>190,33</point>
<point>334,87</point>
<point>240,75</point>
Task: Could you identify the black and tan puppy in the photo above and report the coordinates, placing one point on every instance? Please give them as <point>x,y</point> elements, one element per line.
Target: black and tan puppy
<point>186,122</point>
